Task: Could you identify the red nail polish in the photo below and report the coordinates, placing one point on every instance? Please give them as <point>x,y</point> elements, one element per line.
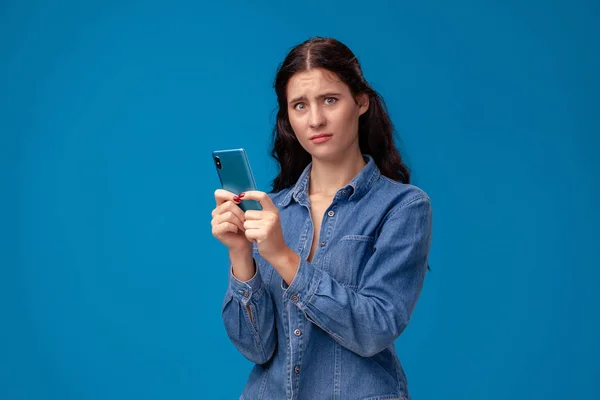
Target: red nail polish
<point>241,195</point>
<point>236,199</point>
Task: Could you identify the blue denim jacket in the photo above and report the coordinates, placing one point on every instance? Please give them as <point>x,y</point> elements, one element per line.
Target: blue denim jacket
<point>330,333</point>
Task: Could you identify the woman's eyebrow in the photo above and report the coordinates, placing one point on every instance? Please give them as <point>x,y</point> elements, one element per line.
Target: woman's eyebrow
<point>321,96</point>
<point>297,99</point>
<point>329,94</point>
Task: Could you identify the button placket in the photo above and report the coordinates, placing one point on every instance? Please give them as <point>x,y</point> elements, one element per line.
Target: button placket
<point>297,322</point>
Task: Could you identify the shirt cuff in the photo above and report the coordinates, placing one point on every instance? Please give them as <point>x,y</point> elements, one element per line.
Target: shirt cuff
<point>304,284</point>
<point>244,291</point>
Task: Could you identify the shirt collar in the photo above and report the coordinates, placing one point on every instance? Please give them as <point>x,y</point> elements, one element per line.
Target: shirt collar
<point>357,187</point>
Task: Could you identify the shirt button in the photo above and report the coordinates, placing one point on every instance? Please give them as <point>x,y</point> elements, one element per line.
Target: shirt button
<point>322,244</point>
<point>245,293</point>
<point>297,369</point>
<point>331,213</point>
<point>344,192</point>
<point>295,298</point>
<point>297,332</point>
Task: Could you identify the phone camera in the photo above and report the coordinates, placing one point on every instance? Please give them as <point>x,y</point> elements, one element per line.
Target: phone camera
<point>218,162</point>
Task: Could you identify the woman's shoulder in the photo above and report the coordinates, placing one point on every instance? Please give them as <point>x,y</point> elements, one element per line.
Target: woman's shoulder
<point>402,194</point>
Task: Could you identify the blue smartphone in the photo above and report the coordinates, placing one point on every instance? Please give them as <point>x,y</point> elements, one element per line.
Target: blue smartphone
<point>235,174</point>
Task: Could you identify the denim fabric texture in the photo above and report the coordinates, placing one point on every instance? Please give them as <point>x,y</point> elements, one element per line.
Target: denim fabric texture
<point>330,334</point>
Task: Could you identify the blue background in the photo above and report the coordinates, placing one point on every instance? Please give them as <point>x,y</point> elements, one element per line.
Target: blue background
<point>111,283</point>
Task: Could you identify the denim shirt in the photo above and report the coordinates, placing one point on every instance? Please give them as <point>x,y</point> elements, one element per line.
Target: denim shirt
<point>330,334</point>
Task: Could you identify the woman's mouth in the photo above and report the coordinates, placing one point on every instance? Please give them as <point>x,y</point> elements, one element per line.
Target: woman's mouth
<point>321,138</point>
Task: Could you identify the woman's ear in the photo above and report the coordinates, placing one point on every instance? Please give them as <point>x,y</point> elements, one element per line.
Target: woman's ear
<point>363,103</point>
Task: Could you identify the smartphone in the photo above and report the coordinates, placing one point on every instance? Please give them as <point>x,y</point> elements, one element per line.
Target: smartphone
<point>235,174</point>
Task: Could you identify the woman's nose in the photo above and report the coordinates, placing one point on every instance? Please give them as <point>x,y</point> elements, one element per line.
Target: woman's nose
<point>316,118</point>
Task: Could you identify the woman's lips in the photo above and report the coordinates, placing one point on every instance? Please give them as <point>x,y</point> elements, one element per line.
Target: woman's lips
<point>321,138</point>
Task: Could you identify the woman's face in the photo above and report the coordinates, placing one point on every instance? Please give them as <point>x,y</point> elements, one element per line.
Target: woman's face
<point>324,114</point>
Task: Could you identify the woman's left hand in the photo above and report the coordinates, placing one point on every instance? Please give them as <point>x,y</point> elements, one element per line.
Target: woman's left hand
<point>264,227</point>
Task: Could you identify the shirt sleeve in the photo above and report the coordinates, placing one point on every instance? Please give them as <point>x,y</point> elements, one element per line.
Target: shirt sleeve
<point>368,319</point>
<point>254,337</point>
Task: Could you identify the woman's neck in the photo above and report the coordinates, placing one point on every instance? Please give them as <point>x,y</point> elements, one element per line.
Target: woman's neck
<point>327,177</point>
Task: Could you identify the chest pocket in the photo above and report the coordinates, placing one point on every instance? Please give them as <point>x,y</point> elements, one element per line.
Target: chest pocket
<point>348,258</point>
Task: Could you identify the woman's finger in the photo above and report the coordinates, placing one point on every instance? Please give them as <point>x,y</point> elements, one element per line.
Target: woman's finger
<point>262,197</point>
<point>231,207</point>
<point>253,234</point>
<point>254,215</point>
<point>230,217</point>
<point>224,228</point>
<point>252,224</point>
<point>222,195</point>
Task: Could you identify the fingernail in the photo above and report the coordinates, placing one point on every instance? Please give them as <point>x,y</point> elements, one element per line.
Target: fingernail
<point>241,195</point>
<point>236,199</point>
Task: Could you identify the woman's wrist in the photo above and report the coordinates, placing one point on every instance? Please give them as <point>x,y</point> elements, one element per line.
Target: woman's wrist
<point>286,263</point>
<point>242,264</point>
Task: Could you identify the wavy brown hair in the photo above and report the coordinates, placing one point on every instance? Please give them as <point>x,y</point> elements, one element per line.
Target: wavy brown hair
<point>375,129</point>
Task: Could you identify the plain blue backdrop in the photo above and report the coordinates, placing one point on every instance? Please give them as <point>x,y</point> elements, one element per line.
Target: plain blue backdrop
<point>111,283</point>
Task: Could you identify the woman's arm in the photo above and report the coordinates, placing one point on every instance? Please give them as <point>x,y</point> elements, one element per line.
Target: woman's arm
<point>368,319</point>
<point>248,315</point>
<point>247,308</point>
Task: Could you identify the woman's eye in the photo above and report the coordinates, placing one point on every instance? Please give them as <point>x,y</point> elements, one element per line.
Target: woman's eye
<point>330,100</point>
<point>299,106</point>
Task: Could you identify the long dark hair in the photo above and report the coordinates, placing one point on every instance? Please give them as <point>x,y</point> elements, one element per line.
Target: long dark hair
<point>375,129</point>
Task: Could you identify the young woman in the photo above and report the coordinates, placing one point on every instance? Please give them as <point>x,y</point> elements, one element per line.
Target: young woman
<point>324,279</point>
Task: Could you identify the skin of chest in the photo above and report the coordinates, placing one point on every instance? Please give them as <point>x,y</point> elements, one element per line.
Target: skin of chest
<point>318,205</point>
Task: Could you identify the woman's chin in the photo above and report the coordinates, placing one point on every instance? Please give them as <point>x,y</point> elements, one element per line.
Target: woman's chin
<point>328,155</point>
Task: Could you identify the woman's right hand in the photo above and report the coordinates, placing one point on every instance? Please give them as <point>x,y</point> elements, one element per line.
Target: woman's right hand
<point>228,223</point>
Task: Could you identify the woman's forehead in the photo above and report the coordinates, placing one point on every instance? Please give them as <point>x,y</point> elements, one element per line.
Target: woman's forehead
<point>313,81</point>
